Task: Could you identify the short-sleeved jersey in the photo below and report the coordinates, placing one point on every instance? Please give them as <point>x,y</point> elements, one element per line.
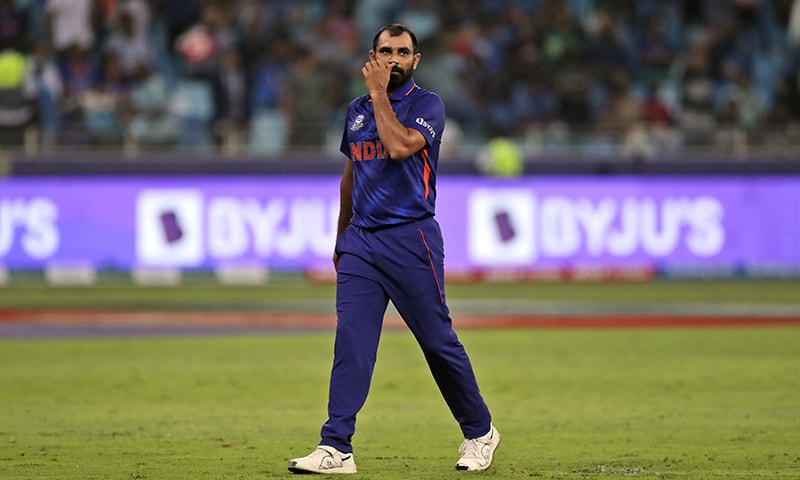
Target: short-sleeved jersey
<point>388,192</point>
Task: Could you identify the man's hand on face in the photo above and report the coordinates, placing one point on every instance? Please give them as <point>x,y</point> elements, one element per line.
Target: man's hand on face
<point>376,76</point>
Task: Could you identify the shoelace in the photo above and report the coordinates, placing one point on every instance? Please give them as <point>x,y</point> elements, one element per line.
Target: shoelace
<point>320,454</point>
<point>472,448</point>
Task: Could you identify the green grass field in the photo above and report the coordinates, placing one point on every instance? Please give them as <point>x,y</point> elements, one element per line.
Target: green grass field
<point>680,403</point>
<point>571,404</point>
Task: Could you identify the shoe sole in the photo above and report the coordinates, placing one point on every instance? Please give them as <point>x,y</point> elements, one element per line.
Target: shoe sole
<point>302,471</point>
<point>298,471</point>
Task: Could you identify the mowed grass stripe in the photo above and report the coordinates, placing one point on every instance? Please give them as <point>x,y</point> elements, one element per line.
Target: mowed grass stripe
<point>571,404</point>
<point>296,295</point>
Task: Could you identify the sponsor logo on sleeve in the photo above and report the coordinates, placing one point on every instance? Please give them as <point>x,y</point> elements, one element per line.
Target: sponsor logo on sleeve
<point>424,123</point>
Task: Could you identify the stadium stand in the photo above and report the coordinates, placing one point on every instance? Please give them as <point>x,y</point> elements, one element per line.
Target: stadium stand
<point>637,80</point>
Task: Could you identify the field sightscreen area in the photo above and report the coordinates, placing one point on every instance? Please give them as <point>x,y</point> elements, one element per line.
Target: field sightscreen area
<point>661,380</point>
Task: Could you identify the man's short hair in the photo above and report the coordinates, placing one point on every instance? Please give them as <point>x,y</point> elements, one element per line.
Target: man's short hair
<point>395,30</point>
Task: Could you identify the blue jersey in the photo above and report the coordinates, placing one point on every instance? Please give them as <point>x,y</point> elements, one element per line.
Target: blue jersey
<point>387,192</point>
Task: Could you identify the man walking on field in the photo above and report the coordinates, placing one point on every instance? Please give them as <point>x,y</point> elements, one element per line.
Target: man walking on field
<point>390,247</point>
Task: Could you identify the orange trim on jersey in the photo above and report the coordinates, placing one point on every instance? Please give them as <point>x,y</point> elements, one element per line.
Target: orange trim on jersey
<point>430,262</point>
<point>395,96</point>
<point>426,172</point>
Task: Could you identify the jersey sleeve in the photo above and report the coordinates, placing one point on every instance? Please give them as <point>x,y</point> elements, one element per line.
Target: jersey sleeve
<point>427,116</point>
<point>345,146</point>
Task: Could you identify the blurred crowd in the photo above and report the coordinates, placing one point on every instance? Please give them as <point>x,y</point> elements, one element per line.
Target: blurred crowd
<point>634,78</point>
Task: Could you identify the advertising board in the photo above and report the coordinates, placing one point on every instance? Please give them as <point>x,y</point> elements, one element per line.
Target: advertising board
<point>529,224</point>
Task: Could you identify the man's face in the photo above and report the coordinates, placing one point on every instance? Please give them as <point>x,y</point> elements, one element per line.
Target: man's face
<point>398,53</point>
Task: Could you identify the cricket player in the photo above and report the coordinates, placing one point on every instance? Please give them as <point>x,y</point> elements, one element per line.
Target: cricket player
<point>389,247</point>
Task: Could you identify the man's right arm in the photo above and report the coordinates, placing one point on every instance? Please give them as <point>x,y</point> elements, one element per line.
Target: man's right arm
<point>345,204</point>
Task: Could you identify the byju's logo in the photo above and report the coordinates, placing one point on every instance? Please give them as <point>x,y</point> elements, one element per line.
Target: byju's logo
<point>515,227</point>
<point>501,230</point>
<point>169,227</point>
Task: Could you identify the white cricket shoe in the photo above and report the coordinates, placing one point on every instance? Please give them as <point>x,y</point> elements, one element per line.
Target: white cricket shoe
<point>324,459</point>
<point>477,453</point>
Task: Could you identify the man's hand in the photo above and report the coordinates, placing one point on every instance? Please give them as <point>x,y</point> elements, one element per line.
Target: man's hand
<point>399,141</point>
<point>376,77</point>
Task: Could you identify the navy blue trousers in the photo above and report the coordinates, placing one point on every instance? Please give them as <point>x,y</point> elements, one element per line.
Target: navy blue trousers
<point>404,264</point>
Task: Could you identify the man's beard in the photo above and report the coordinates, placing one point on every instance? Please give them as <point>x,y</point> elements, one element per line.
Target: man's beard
<point>399,77</point>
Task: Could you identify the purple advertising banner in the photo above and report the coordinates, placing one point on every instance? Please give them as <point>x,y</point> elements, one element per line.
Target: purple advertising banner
<point>289,222</point>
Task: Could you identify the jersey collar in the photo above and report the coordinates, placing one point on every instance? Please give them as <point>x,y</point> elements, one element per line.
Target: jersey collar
<point>402,92</point>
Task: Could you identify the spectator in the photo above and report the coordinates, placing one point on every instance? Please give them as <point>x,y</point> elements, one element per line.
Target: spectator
<point>43,84</point>
<point>306,102</point>
<point>696,91</point>
<point>443,68</point>
<point>16,109</point>
<point>605,43</point>
<point>655,110</point>
<point>14,29</point>
<point>740,96</point>
<point>660,121</point>
<point>782,120</point>
<point>270,71</point>
<point>575,110</point>
<point>78,71</point>
<point>535,101</point>
<point>231,96</point>
<point>622,109</point>
<point>129,47</point>
<point>148,118</point>
<point>140,15</point>
<point>101,104</point>
<point>178,16</point>
<point>722,50</point>
<point>655,51</point>
<point>70,24</point>
<point>256,38</point>
<point>421,17</point>
<point>336,37</point>
<point>200,47</point>
<point>785,108</point>
<point>562,38</point>
<point>729,136</point>
<point>80,74</point>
